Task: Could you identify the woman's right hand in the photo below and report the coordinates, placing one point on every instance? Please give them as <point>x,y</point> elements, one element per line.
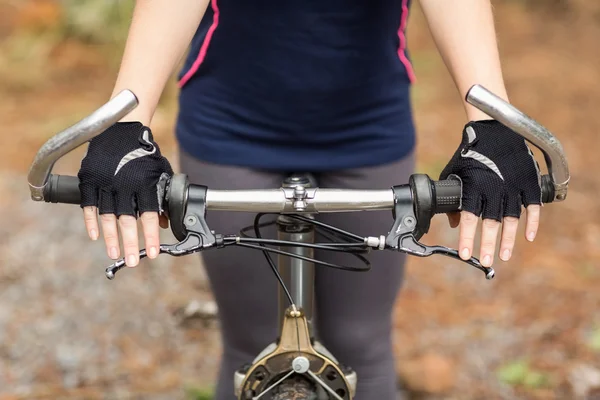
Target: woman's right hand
<point>119,179</point>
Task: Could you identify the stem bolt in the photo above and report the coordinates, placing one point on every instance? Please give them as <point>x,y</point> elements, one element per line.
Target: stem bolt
<point>190,220</point>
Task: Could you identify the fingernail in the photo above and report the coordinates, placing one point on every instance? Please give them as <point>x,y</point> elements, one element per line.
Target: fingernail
<point>465,253</point>
<point>113,253</point>
<point>131,260</point>
<point>531,236</point>
<point>506,255</point>
<point>487,260</point>
<point>152,252</point>
<point>93,234</point>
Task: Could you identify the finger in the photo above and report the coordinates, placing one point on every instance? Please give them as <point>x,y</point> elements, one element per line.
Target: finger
<point>111,235</point>
<point>489,235</point>
<point>91,222</point>
<point>509,235</point>
<point>151,233</point>
<point>453,219</point>
<point>468,227</point>
<point>533,221</point>
<point>163,221</point>
<point>129,235</point>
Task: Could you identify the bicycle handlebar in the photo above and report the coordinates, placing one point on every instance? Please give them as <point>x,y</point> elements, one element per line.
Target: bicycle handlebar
<point>554,186</point>
<point>413,204</point>
<point>446,198</point>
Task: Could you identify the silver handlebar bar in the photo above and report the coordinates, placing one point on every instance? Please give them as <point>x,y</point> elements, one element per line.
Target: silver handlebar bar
<point>286,200</point>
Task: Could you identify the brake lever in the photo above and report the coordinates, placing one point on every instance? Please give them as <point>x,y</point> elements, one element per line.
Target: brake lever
<point>191,244</point>
<point>198,235</point>
<point>408,229</point>
<point>409,245</point>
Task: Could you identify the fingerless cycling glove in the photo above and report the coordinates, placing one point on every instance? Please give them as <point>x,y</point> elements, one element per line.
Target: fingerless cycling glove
<point>497,170</point>
<point>121,170</point>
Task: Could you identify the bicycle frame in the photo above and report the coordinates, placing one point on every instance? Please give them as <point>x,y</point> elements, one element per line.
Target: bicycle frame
<point>298,275</point>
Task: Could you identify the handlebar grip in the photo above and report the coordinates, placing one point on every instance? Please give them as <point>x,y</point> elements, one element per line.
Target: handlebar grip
<point>548,192</point>
<point>62,189</point>
<point>447,194</point>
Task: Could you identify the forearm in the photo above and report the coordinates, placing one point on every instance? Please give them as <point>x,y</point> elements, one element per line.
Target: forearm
<point>159,34</point>
<point>463,31</point>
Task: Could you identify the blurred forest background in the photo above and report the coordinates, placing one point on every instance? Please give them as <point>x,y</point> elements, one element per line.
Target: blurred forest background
<point>68,333</point>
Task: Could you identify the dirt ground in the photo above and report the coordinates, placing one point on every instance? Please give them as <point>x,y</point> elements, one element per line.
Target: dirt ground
<point>532,333</point>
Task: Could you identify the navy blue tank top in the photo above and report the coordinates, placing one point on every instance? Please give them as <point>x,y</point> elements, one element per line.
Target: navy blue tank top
<point>298,84</point>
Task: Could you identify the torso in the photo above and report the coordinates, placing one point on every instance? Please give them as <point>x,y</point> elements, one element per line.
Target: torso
<point>295,84</point>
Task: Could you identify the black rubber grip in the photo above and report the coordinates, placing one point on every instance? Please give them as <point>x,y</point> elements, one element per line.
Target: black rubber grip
<point>62,189</point>
<point>447,195</point>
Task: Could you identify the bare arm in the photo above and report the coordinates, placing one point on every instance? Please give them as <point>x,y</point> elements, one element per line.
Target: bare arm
<point>160,32</point>
<point>463,31</point>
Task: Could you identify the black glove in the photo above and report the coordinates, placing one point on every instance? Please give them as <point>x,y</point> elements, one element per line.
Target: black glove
<point>497,169</point>
<point>121,170</point>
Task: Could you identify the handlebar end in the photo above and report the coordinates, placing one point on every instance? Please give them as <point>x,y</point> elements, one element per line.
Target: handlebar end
<point>86,129</point>
<point>37,193</point>
<point>505,113</point>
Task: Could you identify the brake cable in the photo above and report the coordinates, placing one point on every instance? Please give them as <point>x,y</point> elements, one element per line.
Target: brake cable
<point>244,240</point>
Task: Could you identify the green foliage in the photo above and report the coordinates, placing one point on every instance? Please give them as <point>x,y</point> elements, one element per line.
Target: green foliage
<point>520,373</point>
<point>97,21</point>
<point>513,373</point>
<point>103,23</point>
<point>194,393</point>
<point>587,270</point>
<point>536,380</point>
<point>594,340</point>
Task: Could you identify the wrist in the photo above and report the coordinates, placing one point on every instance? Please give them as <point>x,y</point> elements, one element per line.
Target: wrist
<point>138,115</point>
<point>474,114</point>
